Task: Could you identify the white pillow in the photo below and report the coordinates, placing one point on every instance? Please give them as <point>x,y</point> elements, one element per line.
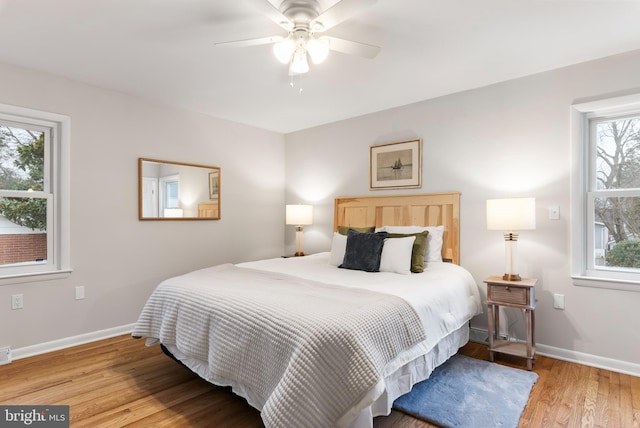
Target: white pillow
<point>434,244</point>
<point>433,253</point>
<point>396,255</point>
<point>338,248</point>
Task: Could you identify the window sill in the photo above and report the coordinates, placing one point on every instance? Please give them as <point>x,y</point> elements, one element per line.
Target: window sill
<point>607,283</point>
<point>35,276</point>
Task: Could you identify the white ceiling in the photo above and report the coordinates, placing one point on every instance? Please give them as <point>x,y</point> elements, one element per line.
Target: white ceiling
<point>164,50</point>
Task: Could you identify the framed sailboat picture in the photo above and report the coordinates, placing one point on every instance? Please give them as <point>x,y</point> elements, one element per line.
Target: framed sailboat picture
<point>396,165</point>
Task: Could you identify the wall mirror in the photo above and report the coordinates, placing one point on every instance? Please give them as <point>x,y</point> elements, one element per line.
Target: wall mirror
<point>177,191</point>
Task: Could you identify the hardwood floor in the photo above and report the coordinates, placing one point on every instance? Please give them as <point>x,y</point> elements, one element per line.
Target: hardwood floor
<point>119,382</point>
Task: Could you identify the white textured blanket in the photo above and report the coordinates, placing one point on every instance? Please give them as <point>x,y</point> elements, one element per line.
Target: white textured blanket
<point>304,352</point>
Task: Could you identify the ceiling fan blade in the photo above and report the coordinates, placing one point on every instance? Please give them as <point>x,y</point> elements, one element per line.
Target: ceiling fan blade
<point>352,48</point>
<point>339,12</point>
<point>272,12</point>
<point>251,42</point>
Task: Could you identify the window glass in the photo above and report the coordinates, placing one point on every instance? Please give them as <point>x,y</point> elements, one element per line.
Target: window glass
<point>23,205</point>
<point>618,153</point>
<point>616,230</point>
<point>173,194</point>
<point>21,158</point>
<point>614,196</point>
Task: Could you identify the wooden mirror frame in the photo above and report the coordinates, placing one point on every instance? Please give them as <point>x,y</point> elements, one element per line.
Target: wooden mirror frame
<point>204,199</point>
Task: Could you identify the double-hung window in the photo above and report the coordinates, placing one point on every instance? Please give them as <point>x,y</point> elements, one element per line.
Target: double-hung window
<point>34,214</point>
<point>606,193</point>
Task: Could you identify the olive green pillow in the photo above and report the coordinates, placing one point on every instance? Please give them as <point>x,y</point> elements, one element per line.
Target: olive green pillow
<point>342,230</point>
<point>419,247</point>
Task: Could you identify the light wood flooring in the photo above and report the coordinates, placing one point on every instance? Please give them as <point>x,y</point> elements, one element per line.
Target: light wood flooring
<point>119,382</point>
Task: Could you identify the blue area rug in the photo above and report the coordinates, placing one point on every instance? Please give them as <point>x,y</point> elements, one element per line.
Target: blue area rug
<point>465,392</point>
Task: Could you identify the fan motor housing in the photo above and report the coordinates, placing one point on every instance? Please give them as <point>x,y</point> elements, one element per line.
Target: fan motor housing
<point>300,11</point>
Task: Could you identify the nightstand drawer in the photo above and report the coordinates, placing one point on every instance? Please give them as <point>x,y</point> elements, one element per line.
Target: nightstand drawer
<point>509,295</point>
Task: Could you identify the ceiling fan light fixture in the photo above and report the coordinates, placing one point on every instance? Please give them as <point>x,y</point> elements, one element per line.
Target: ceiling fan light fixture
<point>318,49</point>
<point>284,49</point>
<point>304,20</point>
<point>299,63</point>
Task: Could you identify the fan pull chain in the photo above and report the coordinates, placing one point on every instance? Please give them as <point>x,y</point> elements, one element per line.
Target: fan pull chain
<point>292,84</point>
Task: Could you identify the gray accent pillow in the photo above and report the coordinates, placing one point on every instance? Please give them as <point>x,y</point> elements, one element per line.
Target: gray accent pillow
<point>363,251</point>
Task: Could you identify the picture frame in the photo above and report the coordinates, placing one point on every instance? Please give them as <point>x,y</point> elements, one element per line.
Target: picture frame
<point>396,165</point>
<point>214,185</point>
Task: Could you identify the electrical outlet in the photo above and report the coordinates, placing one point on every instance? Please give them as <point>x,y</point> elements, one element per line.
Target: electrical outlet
<point>5,355</point>
<point>17,301</point>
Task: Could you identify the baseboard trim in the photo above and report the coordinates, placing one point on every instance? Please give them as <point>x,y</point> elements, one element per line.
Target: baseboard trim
<point>478,335</point>
<point>68,342</point>
<point>591,360</point>
<point>548,351</point>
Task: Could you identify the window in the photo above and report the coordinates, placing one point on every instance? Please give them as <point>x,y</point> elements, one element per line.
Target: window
<point>606,193</point>
<point>170,191</point>
<point>33,182</point>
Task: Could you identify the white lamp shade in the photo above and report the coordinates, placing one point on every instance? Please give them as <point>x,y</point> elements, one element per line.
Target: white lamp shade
<point>318,49</point>
<point>299,63</point>
<point>284,49</point>
<point>299,215</point>
<point>511,214</point>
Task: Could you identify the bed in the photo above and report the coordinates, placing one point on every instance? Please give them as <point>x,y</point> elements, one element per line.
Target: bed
<point>323,340</point>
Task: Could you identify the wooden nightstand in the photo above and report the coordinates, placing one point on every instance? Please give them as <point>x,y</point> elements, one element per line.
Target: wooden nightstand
<point>515,294</point>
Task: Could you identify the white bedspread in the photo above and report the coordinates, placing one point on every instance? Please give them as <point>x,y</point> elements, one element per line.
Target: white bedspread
<point>304,352</point>
<point>248,334</point>
<point>445,295</point>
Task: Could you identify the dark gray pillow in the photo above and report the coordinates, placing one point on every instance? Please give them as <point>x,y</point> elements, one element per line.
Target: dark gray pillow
<point>363,251</point>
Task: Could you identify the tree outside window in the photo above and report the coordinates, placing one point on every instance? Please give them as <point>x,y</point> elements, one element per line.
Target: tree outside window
<point>616,197</point>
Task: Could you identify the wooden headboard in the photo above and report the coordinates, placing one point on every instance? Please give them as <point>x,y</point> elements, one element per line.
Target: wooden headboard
<point>431,209</point>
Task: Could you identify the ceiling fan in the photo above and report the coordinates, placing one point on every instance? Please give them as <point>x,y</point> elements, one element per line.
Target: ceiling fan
<point>304,21</point>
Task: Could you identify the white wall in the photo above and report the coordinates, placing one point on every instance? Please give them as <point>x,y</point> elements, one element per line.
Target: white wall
<point>509,139</point>
<point>118,259</point>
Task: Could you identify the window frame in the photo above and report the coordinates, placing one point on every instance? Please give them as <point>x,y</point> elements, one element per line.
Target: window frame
<point>583,164</point>
<point>56,192</point>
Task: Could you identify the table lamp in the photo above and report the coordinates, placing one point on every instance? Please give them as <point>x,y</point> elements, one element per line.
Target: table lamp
<point>299,215</point>
<point>511,215</point>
